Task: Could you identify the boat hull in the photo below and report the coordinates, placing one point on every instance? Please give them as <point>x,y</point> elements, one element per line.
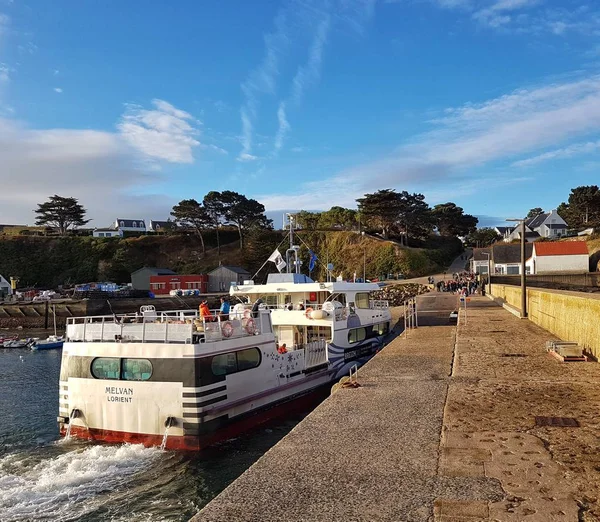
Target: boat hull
<point>47,346</point>
<point>233,428</point>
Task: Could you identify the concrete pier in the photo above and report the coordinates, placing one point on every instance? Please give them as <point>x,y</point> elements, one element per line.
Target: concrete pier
<point>442,429</point>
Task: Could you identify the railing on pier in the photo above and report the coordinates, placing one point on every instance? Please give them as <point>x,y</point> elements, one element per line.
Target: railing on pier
<point>177,326</point>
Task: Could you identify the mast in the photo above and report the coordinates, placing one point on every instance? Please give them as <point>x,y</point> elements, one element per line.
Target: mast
<point>291,255</point>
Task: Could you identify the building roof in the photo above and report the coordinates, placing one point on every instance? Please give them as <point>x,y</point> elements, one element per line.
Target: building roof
<point>236,269</point>
<point>561,248</point>
<point>536,221</point>
<point>510,254</point>
<point>159,224</point>
<point>557,226</point>
<point>504,230</point>
<point>479,253</point>
<point>128,223</point>
<point>156,271</point>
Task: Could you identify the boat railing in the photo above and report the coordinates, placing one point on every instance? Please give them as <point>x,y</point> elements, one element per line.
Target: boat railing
<point>315,353</point>
<point>177,326</point>
<point>378,304</point>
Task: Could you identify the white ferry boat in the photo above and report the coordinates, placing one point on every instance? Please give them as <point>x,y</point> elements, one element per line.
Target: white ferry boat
<point>184,381</point>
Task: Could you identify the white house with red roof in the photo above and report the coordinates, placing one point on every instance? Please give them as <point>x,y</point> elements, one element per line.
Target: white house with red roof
<point>562,257</point>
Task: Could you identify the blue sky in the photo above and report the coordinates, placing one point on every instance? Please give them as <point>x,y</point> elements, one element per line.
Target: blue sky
<point>133,106</point>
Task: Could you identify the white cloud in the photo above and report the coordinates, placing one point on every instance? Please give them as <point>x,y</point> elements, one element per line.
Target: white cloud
<point>464,140</point>
<point>58,90</point>
<point>164,133</point>
<point>576,149</point>
<point>284,126</point>
<point>244,158</point>
<point>262,80</point>
<point>95,167</point>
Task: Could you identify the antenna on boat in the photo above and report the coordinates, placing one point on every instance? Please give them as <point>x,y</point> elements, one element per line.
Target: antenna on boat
<point>291,254</point>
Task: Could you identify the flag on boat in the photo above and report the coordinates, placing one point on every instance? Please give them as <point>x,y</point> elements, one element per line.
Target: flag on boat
<point>277,258</point>
<point>313,260</point>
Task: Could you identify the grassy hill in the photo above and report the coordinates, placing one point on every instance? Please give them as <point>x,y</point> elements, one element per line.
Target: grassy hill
<point>52,261</point>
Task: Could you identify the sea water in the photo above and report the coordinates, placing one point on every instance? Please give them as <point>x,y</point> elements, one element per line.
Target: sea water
<point>43,477</point>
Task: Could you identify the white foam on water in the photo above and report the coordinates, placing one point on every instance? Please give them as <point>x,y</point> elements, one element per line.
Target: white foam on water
<point>62,487</point>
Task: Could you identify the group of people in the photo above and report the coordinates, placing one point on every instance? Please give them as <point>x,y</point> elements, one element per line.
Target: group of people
<point>223,314</point>
<point>463,283</point>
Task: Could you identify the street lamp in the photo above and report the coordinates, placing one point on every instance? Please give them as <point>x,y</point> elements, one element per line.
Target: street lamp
<point>523,281</point>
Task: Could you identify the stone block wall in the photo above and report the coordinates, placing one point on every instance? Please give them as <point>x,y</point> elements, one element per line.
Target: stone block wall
<point>570,316</point>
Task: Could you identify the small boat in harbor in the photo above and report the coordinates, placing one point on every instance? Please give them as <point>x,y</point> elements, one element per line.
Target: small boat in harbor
<point>53,342</point>
<point>185,380</point>
<point>17,343</point>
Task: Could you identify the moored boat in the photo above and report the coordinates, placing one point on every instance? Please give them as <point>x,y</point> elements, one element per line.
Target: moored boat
<point>183,380</point>
<point>53,342</point>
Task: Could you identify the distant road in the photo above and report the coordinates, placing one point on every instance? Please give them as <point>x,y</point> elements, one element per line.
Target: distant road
<point>458,265</point>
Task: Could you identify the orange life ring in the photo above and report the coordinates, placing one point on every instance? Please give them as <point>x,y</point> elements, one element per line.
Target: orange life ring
<point>250,326</point>
<point>308,312</point>
<point>227,329</point>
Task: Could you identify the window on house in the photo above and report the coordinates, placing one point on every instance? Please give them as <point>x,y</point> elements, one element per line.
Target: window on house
<point>512,270</point>
<point>122,223</point>
<point>134,224</point>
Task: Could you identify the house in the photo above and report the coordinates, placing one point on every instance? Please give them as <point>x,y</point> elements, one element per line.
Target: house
<point>163,284</point>
<point>5,288</point>
<point>559,257</point>
<point>481,260</point>
<point>140,279</point>
<point>506,259</point>
<point>503,232</point>
<point>159,226</point>
<point>222,277</point>
<point>106,232</point>
<point>515,235</point>
<point>549,225</point>
<point>129,225</point>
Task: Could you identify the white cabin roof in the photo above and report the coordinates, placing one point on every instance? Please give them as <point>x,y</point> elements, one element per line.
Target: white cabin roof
<point>290,287</point>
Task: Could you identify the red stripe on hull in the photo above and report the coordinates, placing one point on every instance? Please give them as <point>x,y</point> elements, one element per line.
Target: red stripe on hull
<point>195,443</point>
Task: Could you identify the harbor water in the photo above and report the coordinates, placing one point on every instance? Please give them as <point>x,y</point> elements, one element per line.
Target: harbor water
<point>46,478</point>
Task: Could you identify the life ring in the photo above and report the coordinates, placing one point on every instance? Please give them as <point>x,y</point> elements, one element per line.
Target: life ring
<point>250,326</point>
<point>308,313</point>
<point>227,329</point>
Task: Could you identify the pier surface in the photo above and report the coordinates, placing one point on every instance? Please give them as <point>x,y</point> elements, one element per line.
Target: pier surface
<point>444,428</point>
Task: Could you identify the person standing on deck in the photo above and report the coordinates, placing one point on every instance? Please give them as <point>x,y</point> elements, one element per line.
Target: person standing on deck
<point>224,310</point>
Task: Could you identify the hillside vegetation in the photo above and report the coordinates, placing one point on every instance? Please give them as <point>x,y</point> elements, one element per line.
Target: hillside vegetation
<point>53,261</point>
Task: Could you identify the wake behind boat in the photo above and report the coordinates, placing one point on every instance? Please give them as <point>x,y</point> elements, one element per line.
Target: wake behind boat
<point>184,380</point>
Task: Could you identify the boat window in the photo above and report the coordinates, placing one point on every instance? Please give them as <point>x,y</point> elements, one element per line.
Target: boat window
<point>136,369</point>
<point>248,359</point>
<point>381,328</point>
<point>228,363</point>
<point>106,368</point>
<point>362,300</point>
<point>356,335</point>
<point>340,298</point>
<point>224,364</point>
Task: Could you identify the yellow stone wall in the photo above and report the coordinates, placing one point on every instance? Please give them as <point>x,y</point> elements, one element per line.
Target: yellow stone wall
<point>568,315</point>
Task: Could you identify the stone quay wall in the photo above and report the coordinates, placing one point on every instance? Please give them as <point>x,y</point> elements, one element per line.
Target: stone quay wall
<point>571,316</point>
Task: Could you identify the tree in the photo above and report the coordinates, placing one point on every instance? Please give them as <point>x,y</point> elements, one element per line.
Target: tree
<point>451,220</point>
<point>192,214</point>
<point>61,213</point>
<point>308,220</point>
<point>583,208</point>
<point>380,209</point>
<point>414,215</point>
<point>213,204</point>
<point>244,213</point>
<point>482,237</point>
<point>534,212</point>
<point>339,218</point>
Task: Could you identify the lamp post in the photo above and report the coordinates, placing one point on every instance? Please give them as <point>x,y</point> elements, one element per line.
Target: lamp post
<point>364,265</point>
<point>523,279</point>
